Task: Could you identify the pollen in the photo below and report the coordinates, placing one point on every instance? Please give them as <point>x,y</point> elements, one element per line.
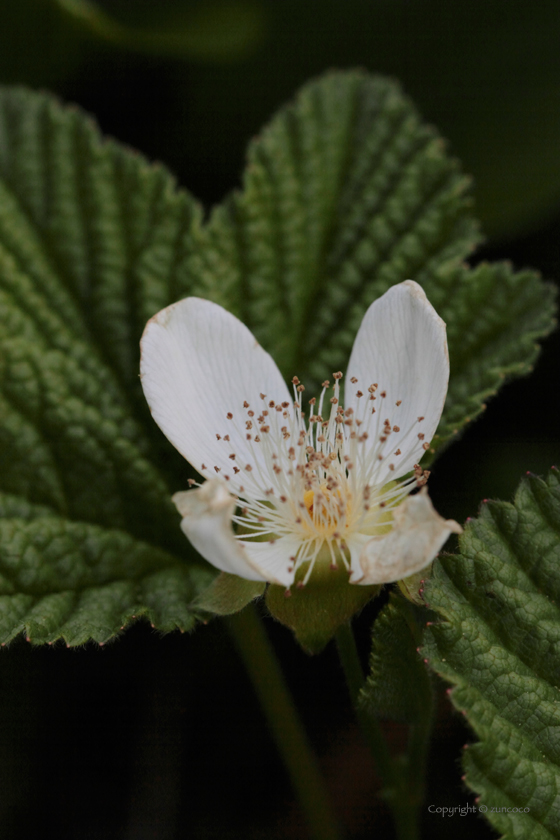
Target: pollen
<point>322,480</point>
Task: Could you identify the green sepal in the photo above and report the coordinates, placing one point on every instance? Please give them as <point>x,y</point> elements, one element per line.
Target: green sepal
<point>399,685</point>
<point>228,594</point>
<point>315,611</point>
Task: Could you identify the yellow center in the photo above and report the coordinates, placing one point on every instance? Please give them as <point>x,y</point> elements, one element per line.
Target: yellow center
<point>325,509</point>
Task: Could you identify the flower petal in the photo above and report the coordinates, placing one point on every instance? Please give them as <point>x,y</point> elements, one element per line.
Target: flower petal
<point>402,347</point>
<point>417,535</point>
<point>274,560</point>
<point>207,513</point>
<point>199,364</point>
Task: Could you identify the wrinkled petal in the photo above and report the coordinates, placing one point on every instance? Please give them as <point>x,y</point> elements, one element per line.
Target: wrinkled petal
<point>207,515</point>
<point>199,363</point>
<point>417,535</point>
<point>402,347</point>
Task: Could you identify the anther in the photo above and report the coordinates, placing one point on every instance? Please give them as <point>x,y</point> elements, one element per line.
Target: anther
<point>398,402</point>
<point>420,419</point>
<point>191,481</point>
<point>383,394</point>
<point>396,429</point>
<point>218,469</point>
<point>337,375</point>
<point>232,456</point>
<point>325,384</point>
<point>229,415</point>
<point>218,437</point>
<point>245,404</point>
<point>203,467</point>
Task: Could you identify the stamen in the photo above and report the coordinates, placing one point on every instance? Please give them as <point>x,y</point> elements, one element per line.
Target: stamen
<point>319,481</point>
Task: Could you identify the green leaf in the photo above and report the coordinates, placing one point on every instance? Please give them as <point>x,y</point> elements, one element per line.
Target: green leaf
<point>398,686</point>
<point>93,241</point>
<point>494,318</point>
<point>497,643</point>
<point>346,193</point>
<point>76,581</point>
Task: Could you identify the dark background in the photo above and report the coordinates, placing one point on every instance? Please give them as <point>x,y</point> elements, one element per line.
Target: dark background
<point>162,738</point>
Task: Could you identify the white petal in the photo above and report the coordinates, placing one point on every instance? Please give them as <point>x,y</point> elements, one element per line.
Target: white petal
<point>199,363</point>
<point>402,346</point>
<point>207,513</point>
<point>273,559</point>
<point>417,535</point>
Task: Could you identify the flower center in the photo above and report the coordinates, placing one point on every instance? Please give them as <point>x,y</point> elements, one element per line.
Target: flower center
<point>317,482</point>
<point>327,509</point>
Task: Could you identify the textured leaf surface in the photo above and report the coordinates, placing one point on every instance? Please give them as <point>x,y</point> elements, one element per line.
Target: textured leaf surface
<point>78,581</point>
<point>92,243</point>
<point>499,645</point>
<point>347,193</point>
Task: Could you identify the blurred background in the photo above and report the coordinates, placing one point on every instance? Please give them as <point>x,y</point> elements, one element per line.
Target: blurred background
<point>162,738</point>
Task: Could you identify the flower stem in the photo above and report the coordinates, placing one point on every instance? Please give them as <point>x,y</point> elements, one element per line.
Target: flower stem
<point>286,728</point>
<point>354,674</point>
<point>401,776</point>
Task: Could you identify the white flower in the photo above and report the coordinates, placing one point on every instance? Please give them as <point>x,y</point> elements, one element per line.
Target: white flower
<point>335,486</point>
